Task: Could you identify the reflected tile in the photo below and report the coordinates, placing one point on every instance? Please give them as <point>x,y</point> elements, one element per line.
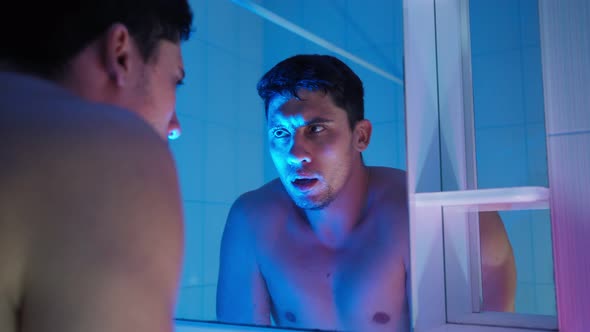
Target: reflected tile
<point>190,303</point>
<point>526,298</point>
<point>546,300</point>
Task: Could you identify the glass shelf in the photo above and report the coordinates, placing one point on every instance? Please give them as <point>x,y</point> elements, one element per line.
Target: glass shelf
<point>493,199</point>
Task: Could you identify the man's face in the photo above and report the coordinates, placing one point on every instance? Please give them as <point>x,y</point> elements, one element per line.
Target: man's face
<point>154,89</point>
<point>311,145</point>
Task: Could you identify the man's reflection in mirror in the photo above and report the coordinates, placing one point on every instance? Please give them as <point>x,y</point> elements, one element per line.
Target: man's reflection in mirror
<point>326,244</point>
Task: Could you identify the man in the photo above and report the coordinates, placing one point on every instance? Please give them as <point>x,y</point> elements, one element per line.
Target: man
<point>325,245</point>
<point>90,213</point>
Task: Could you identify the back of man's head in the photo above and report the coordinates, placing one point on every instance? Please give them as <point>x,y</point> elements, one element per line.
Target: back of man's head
<point>62,28</point>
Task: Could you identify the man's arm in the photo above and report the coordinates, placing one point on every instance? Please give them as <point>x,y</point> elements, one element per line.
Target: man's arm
<point>106,231</point>
<point>242,296</point>
<point>497,264</point>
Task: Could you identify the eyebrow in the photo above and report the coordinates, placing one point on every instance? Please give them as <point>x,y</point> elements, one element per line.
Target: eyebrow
<point>314,121</point>
<point>318,120</point>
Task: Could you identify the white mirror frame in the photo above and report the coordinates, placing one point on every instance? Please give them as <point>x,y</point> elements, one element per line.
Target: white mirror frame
<point>439,113</point>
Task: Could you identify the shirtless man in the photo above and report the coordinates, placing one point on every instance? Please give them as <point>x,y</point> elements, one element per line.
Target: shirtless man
<point>326,245</point>
<point>90,214</point>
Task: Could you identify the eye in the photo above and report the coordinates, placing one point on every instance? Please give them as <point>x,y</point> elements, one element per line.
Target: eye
<point>280,133</point>
<point>315,129</point>
<point>179,83</point>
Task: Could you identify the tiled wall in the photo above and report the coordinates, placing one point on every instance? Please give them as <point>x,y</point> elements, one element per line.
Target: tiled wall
<point>373,33</point>
<point>222,150</point>
<point>566,70</point>
<point>510,134</point>
<point>219,154</point>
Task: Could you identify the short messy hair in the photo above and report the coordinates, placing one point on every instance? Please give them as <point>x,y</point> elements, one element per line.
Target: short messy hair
<point>315,73</point>
<point>62,28</point>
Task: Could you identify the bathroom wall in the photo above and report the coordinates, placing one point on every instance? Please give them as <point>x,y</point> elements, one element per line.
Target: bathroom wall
<point>510,134</point>
<point>565,39</point>
<point>219,154</point>
<point>222,151</point>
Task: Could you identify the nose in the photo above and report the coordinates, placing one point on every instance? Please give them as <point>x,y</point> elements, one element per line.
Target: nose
<point>299,152</point>
<point>174,130</point>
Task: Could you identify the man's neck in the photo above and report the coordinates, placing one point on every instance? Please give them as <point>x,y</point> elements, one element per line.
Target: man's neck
<point>336,222</point>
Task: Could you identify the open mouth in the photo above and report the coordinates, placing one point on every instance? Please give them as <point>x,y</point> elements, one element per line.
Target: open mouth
<point>304,184</point>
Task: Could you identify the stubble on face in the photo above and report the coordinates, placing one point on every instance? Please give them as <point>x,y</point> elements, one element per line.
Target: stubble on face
<point>316,202</point>
<point>329,161</point>
<point>325,191</point>
<point>157,85</point>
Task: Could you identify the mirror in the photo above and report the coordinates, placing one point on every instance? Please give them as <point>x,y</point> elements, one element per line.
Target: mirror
<point>510,137</point>
<point>223,150</point>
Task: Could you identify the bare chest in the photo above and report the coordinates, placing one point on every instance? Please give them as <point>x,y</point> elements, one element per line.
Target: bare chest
<point>360,286</point>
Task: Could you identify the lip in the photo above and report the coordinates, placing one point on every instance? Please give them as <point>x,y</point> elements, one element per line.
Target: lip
<point>304,183</point>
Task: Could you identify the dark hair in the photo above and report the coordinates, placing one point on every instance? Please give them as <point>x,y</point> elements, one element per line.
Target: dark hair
<point>62,28</point>
<point>315,72</point>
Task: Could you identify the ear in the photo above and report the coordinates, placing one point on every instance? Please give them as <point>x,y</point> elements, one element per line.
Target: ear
<point>362,135</point>
<point>118,53</point>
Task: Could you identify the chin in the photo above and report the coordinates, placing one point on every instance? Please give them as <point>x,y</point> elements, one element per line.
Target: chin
<point>309,203</point>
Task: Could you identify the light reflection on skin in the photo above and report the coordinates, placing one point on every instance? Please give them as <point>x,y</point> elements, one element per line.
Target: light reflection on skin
<point>307,143</point>
<point>173,134</point>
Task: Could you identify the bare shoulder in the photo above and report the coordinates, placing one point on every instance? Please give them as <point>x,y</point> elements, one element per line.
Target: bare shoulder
<point>388,184</point>
<point>86,153</point>
<point>95,193</point>
<point>266,200</point>
<point>495,245</point>
<point>79,128</point>
<point>389,197</point>
<point>255,216</point>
